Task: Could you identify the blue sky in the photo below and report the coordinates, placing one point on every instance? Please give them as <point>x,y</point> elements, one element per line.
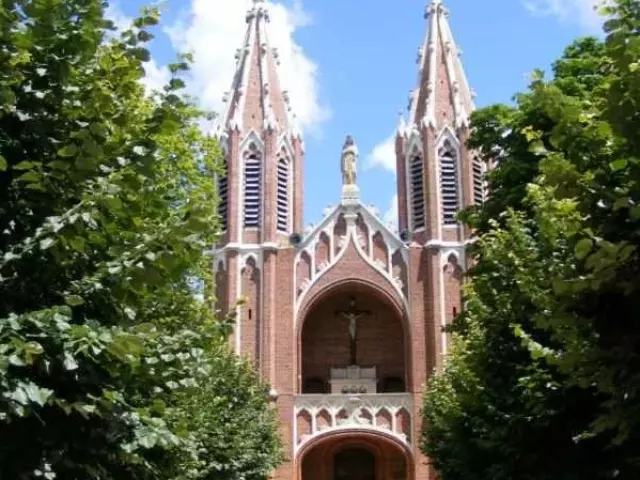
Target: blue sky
<point>349,66</point>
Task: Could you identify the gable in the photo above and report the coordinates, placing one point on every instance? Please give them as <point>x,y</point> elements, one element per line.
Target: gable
<point>350,235</point>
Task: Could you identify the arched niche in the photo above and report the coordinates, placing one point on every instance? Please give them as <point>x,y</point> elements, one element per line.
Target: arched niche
<point>378,338</point>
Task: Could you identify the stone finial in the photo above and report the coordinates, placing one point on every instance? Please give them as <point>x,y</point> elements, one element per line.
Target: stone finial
<point>402,124</point>
<point>431,8</point>
<point>258,8</point>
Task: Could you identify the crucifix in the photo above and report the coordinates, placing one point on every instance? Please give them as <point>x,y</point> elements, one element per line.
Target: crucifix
<point>352,314</point>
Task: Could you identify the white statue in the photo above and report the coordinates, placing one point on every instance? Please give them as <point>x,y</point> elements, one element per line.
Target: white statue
<point>349,161</point>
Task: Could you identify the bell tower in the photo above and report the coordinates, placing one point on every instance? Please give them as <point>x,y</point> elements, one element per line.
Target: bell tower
<point>437,174</point>
<point>260,189</point>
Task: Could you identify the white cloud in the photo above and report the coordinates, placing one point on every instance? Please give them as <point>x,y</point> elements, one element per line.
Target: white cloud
<point>383,155</point>
<point>582,12</point>
<point>390,217</point>
<point>117,16</point>
<point>156,76</point>
<point>213,29</point>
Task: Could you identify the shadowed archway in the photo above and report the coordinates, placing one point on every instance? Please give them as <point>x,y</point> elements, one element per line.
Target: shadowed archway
<point>354,463</point>
<point>353,324</point>
<point>354,456</point>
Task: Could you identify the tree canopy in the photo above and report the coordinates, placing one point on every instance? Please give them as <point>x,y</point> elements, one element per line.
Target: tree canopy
<point>107,205</point>
<point>542,382</point>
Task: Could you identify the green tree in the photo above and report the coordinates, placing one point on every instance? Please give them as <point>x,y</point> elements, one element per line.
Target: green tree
<point>598,173</point>
<point>107,205</point>
<point>498,409</point>
<point>237,441</point>
<point>543,378</point>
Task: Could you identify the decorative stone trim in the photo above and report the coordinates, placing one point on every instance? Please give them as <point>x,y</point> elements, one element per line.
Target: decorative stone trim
<point>389,413</point>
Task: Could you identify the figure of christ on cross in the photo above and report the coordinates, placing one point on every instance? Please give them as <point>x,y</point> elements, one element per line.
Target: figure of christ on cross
<point>352,314</point>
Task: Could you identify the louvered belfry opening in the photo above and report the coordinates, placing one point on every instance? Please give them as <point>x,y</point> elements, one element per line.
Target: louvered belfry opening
<point>252,190</point>
<point>448,159</point>
<point>416,188</point>
<point>479,191</point>
<point>223,196</point>
<point>283,195</point>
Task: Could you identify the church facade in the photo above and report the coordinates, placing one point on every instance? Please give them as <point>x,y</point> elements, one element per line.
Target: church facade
<point>345,319</point>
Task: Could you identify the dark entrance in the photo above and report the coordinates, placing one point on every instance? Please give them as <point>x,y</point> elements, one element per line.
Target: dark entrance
<point>354,464</point>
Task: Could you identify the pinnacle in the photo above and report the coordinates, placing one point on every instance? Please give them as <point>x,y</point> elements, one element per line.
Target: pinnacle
<point>256,77</point>
<point>433,6</point>
<point>259,7</point>
<point>402,124</point>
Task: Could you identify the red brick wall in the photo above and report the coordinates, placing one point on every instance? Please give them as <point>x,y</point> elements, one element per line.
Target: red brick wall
<point>452,288</point>
<point>354,270</point>
<point>250,313</point>
<point>323,340</point>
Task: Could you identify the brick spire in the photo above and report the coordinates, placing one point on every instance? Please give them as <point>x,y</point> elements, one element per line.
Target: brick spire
<point>437,175</point>
<point>443,96</point>
<point>256,100</point>
<point>260,194</point>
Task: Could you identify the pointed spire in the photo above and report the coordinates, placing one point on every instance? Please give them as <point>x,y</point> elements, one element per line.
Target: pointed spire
<point>402,124</point>
<point>256,100</point>
<point>443,96</point>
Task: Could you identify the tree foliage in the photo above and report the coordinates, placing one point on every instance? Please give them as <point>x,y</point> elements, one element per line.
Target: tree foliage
<point>543,379</point>
<point>107,205</point>
<point>237,441</point>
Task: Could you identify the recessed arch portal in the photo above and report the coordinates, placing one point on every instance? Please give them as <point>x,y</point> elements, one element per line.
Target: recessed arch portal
<point>353,323</point>
<point>356,455</point>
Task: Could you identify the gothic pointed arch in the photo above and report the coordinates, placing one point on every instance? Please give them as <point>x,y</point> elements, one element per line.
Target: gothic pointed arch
<point>414,142</point>
<point>252,137</point>
<point>253,182</point>
<point>416,189</point>
<point>284,145</point>
<point>448,156</point>
<point>346,244</point>
<point>352,267</point>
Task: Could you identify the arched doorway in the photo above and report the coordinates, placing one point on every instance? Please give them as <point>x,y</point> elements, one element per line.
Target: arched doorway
<point>354,456</point>
<point>354,464</point>
<point>353,326</point>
